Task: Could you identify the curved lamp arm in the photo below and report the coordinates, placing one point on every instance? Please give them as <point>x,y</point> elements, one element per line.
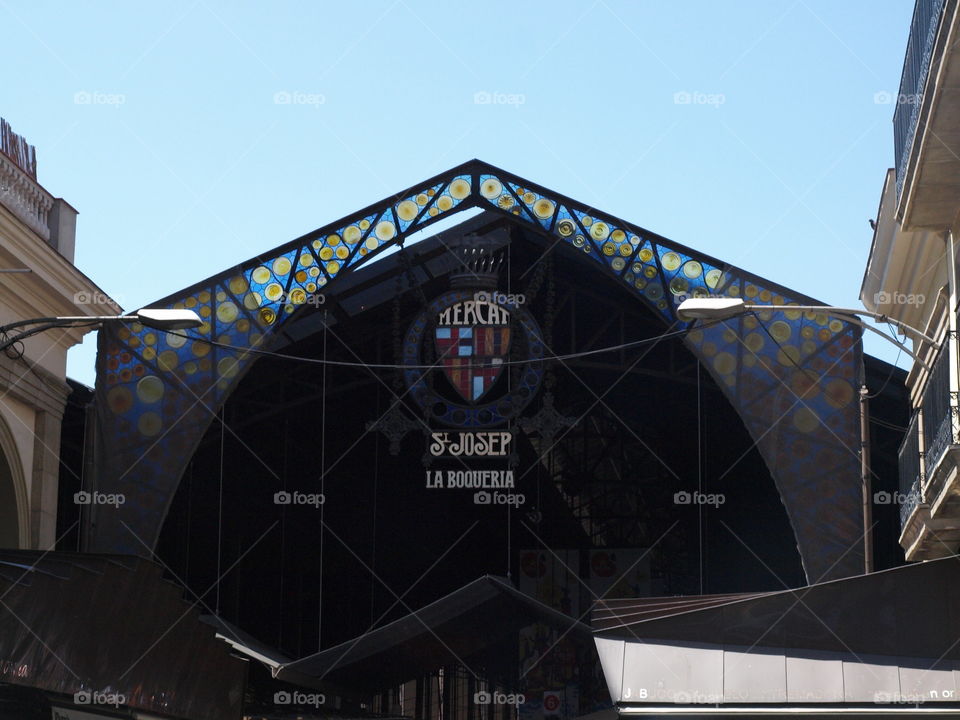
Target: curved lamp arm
<point>161,319</point>
<point>727,308</point>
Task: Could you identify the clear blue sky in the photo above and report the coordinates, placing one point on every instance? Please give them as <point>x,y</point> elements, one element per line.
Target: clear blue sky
<point>158,122</point>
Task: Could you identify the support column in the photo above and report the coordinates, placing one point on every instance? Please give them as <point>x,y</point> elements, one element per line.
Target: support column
<point>866,480</point>
<point>45,396</point>
<point>46,477</point>
<point>952,335</point>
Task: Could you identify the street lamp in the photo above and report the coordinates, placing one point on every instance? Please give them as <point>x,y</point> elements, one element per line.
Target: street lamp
<point>727,308</point>
<point>158,318</point>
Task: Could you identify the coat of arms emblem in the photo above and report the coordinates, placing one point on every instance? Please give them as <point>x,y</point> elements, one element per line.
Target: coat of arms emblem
<point>472,340</point>
<point>459,345</point>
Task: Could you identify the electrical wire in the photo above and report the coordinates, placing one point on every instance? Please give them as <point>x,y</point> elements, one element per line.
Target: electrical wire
<point>393,366</point>
<point>893,367</point>
<point>888,425</point>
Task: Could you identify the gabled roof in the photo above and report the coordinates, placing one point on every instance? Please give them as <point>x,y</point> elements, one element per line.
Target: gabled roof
<point>422,640</point>
<point>467,620</point>
<point>790,375</point>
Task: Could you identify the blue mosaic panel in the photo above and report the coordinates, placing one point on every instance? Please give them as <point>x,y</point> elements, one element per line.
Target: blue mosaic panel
<point>791,375</point>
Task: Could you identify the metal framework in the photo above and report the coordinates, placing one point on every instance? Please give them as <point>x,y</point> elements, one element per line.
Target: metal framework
<point>791,374</point>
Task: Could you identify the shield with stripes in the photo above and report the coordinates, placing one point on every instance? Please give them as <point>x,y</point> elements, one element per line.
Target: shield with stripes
<point>472,355</point>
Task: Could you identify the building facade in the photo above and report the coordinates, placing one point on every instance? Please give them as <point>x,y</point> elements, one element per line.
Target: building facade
<point>37,280</point>
<point>414,534</point>
<point>911,275</point>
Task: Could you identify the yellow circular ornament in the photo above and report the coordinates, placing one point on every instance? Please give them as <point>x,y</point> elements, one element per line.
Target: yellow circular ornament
<point>491,188</point>
<point>281,266</point>
<point>407,210</point>
<point>351,234</point>
<point>543,208</point>
<point>385,230</point>
<point>459,189</point>
<point>599,230</point>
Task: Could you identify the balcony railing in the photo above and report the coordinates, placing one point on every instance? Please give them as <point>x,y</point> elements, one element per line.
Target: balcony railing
<point>910,455</point>
<point>908,502</point>
<point>910,476</point>
<point>916,67</point>
<point>921,453</point>
<point>939,414</point>
<point>22,196</point>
